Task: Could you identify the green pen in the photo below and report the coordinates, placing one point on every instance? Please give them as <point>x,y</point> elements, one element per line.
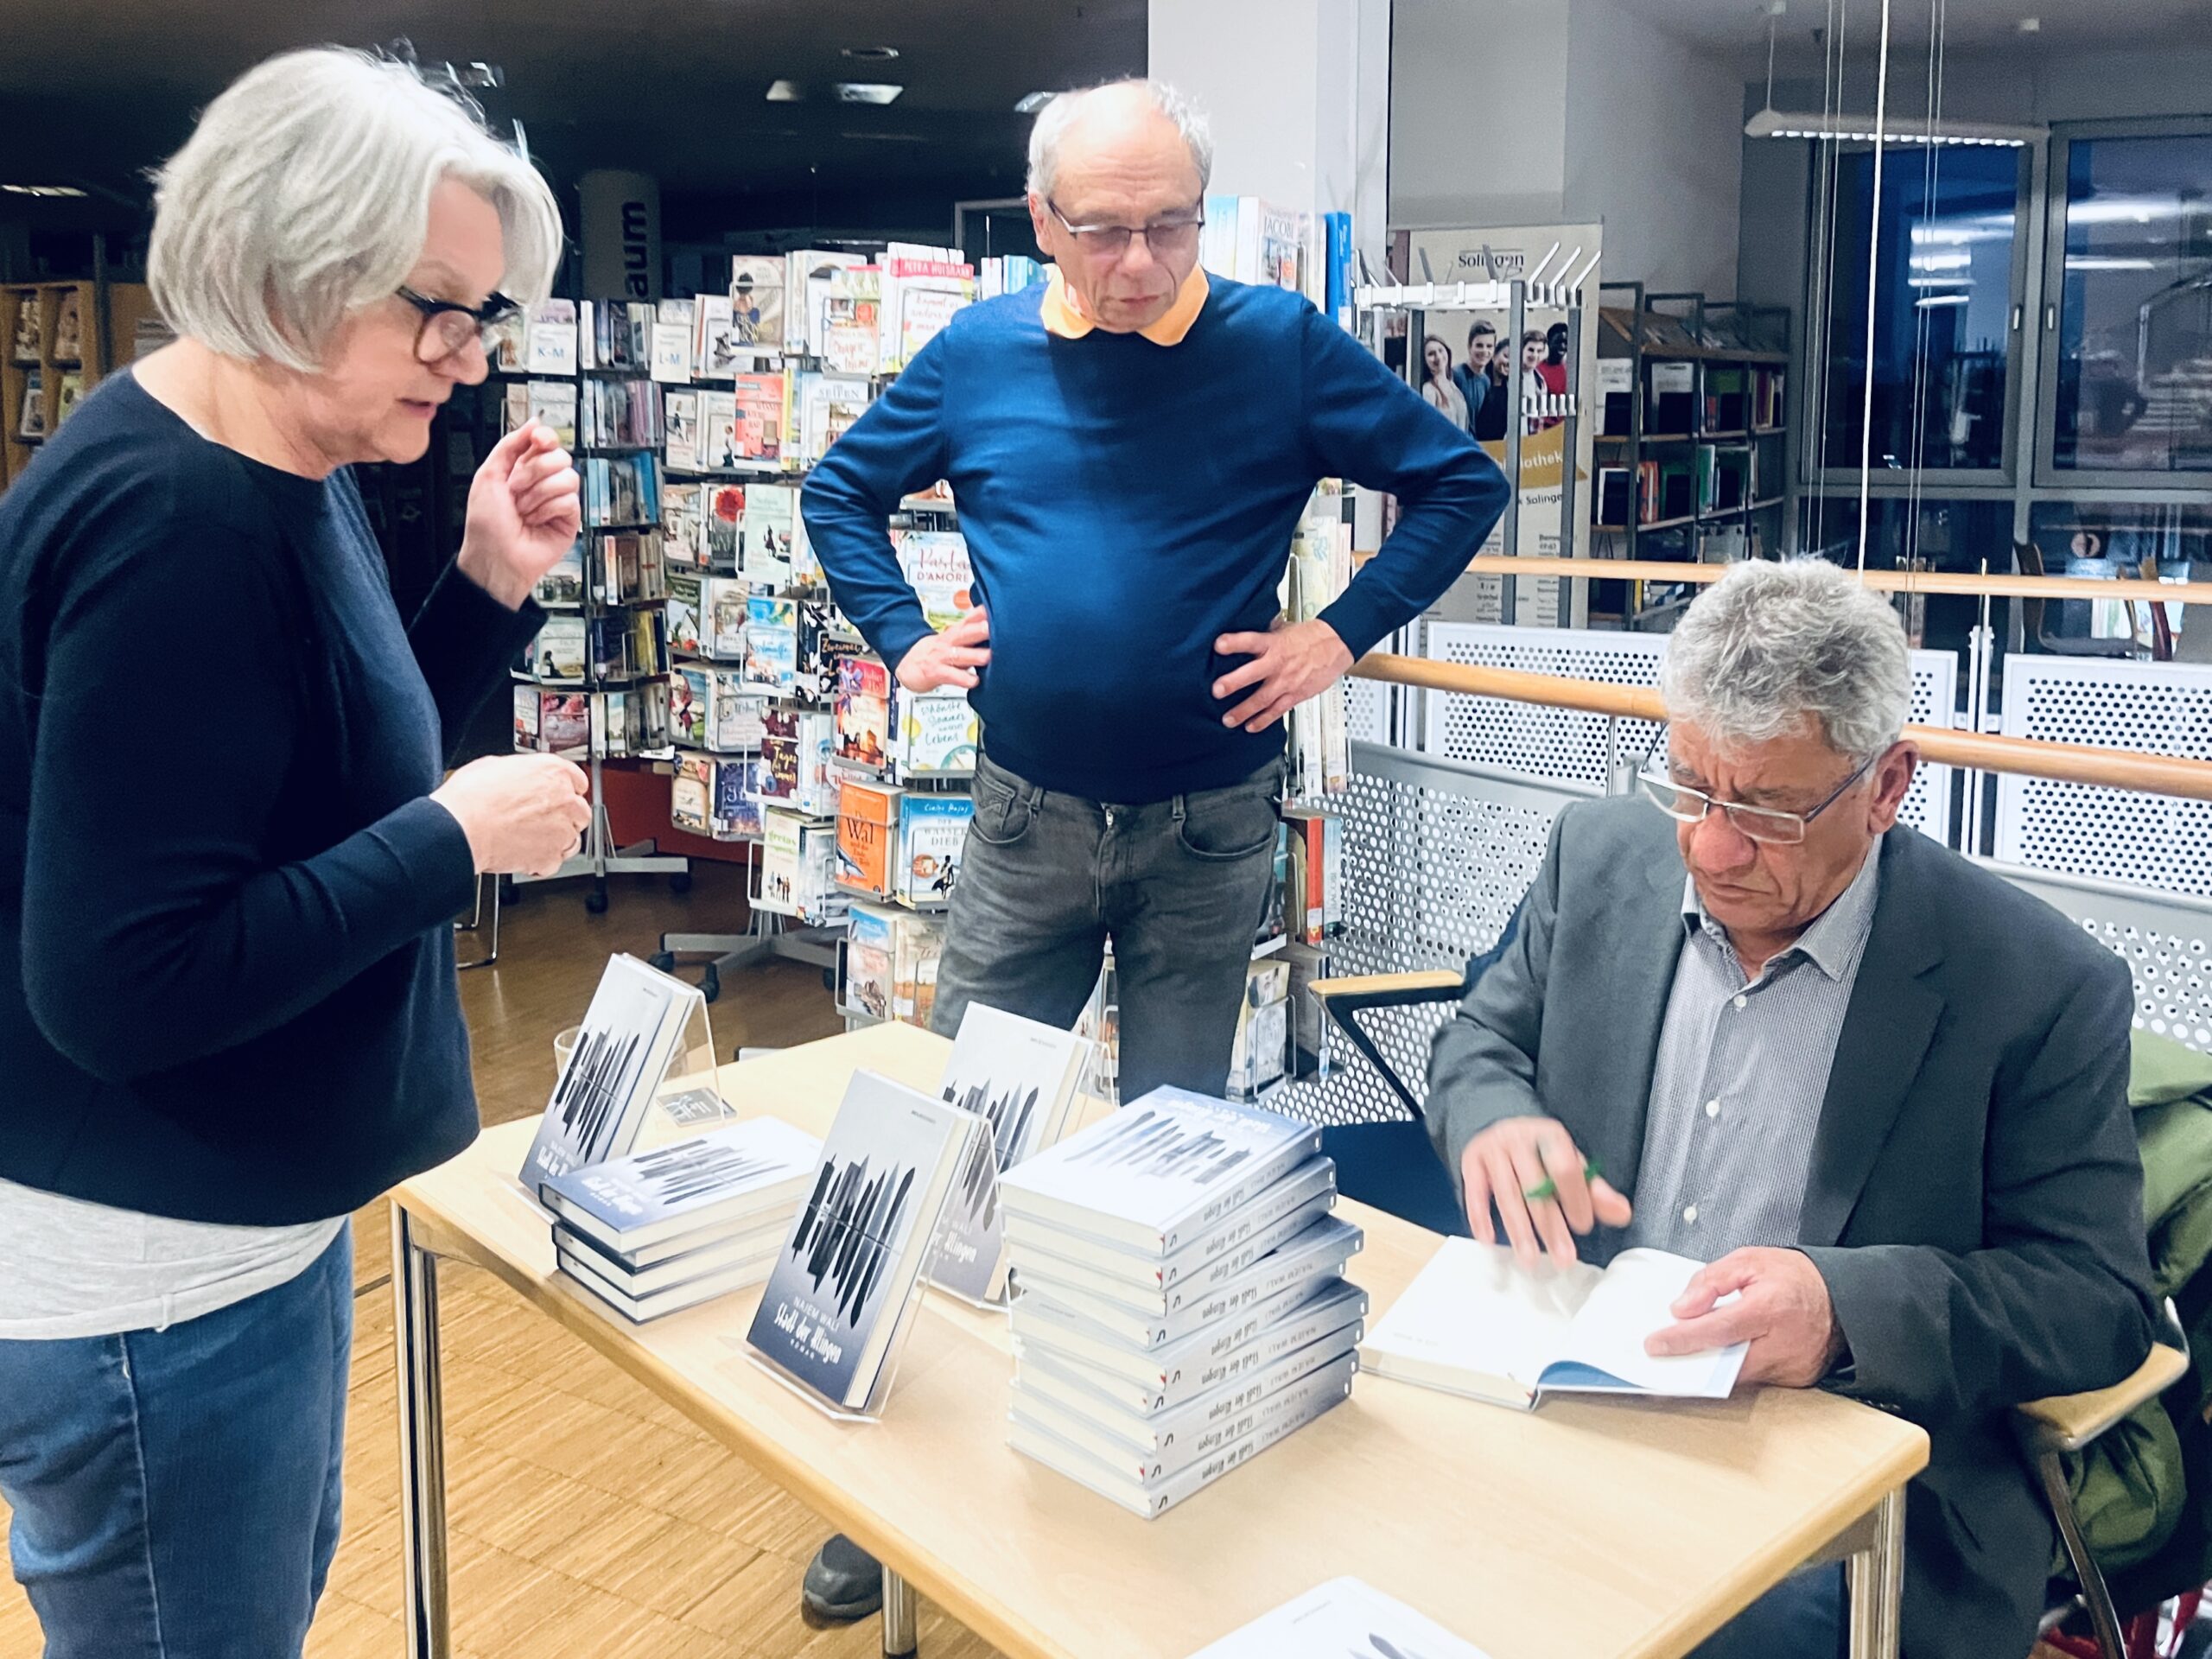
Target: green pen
<point>1549,1188</point>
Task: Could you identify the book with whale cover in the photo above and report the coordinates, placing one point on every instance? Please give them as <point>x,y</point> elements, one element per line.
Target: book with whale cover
<point>1474,1321</point>
<point>842,1289</point>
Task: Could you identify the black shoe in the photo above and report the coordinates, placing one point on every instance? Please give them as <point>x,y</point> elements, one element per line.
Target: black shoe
<point>843,1582</point>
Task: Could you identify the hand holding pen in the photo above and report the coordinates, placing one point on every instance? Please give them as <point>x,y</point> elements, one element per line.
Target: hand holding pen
<point>1544,1191</point>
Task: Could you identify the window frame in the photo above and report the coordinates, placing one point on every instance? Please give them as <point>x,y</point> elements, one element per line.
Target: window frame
<point>1814,476</point>
<point>2049,479</point>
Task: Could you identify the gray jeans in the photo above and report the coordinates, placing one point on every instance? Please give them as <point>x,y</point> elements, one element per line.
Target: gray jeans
<point>1179,886</point>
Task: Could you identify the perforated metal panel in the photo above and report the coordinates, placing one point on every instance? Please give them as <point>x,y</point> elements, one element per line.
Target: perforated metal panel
<point>1438,852</point>
<point>2147,841</point>
<point>1568,746</point>
<point>1437,855</point>
<point>2166,940</point>
<point>1367,709</point>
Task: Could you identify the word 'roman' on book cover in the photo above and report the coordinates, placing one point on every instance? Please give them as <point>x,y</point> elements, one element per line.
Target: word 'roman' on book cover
<point>1020,1077</point>
<point>631,1033</point>
<point>1344,1618</point>
<point>842,1291</point>
<point>1149,1177</point>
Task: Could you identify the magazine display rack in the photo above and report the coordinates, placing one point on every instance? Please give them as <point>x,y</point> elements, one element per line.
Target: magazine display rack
<point>596,686</point>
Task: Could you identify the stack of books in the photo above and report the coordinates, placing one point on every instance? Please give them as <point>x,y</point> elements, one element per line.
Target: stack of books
<point>668,1229</point>
<point>1179,1298</point>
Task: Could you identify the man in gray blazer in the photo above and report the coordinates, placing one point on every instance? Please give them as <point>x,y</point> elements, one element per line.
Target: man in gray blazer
<point>1882,1093</point>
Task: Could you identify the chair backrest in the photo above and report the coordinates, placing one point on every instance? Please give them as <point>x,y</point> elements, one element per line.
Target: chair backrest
<point>2162,627</point>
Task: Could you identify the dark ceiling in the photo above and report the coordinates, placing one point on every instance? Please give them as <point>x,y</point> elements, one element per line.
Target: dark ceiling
<point>94,92</point>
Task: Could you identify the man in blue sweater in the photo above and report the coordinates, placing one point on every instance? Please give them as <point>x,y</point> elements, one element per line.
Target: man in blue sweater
<point>1130,445</point>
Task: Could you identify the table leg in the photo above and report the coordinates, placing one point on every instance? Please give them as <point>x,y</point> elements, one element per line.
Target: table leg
<point>1877,1579</point>
<point>422,1442</point>
<point>900,1607</point>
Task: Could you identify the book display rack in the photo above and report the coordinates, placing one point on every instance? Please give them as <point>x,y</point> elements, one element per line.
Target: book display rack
<point>57,339</point>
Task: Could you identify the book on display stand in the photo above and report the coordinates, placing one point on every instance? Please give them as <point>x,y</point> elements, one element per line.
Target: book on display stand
<point>841,1298</point>
<point>643,1030</point>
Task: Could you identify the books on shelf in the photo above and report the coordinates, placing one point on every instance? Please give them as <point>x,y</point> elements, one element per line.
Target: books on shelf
<point>725,611</point>
<point>1343,1617</point>
<point>630,721</point>
<point>621,490</point>
<point>69,388</point>
<point>674,323</point>
<point>796,744</point>
<point>680,421</point>
<point>631,1032</point>
<point>1020,1077</point>
<point>772,644</point>
<point>1475,1322</point>
<point>716,794</point>
<point>31,421</point>
<point>766,532</point>
<point>935,564</point>
<point>552,722</point>
<point>1260,1055</point>
<point>810,276</point>
<point>863,715</point>
<point>722,517</point>
<point>564,584</point>
<point>933,734</point>
<point>932,832</point>
<point>850,330</point>
<point>29,344</point>
<point>1009,274</point>
<point>824,408</point>
<point>890,963</point>
<point>842,1290</point>
<point>616,333</point>
<point>714,348</point>
<point>1178,1299</point>
<point>559,651</point>
<point>868,835</point>
<point>551,341</point>
<point>799,867</point>
<point>756,301</point>
<point>709,707</point>
<point>620,414</point>
<point>685,602</point>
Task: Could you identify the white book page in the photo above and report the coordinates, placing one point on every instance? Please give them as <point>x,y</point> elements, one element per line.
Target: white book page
<point>1473,1309</point>
<point>1634,1298</point>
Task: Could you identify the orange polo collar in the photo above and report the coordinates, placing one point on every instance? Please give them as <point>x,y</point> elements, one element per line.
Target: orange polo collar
<point>1063,317</point>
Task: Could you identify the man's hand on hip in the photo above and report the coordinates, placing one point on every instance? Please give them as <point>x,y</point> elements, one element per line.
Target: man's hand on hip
<point>950,657</point>
<point>1290,663</point>
<point>1780,1308</point>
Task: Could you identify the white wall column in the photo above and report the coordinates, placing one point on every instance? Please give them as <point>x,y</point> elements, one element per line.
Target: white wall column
<point>1299,91</point>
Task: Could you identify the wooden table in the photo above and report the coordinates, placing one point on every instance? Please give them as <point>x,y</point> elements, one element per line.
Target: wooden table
<point>1606,1529</point>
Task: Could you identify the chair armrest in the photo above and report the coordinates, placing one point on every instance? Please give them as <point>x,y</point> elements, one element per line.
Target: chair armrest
<point>1343,999</point>
<point>1432,985</point>
<point>2067,1422</point>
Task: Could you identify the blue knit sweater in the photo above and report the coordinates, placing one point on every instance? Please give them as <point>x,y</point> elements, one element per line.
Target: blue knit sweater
<point>1125,503</point>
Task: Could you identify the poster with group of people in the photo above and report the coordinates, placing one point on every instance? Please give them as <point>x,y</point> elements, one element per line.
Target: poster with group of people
<point>1480,380</point>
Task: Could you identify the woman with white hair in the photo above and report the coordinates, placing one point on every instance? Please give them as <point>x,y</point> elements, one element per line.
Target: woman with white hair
<point>227,1003</point>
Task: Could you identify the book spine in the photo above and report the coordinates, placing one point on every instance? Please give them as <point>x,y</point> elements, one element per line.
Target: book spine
<point>1201,1281</point>
<point>1294,1193</point>
<point>1256,1180</point>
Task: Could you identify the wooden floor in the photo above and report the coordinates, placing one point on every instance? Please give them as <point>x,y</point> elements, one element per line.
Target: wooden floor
<point>586,1517</point>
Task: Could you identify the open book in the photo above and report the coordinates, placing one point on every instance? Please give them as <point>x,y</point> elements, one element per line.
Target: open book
<point>1474,1321</point>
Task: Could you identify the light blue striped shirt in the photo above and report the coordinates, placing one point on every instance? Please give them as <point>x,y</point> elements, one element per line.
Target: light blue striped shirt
<point>1741,1073</point>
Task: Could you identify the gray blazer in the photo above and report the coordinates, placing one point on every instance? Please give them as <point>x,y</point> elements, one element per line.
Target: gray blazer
<point>1975,1199</point>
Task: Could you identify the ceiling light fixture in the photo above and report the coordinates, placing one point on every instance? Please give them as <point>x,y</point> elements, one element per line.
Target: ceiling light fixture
<point>867,92</point>
<point>2107,262</point>
<point>41,189</point>
<point>1934,300</point>
<point>786,92</point>
<point>870,53</point>
<point>1858,129</point>
<point>1030,103</point>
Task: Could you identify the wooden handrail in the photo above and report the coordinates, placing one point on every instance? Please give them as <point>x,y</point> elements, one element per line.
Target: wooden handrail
<point>2153,774</point>
<point>1886,581</point>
